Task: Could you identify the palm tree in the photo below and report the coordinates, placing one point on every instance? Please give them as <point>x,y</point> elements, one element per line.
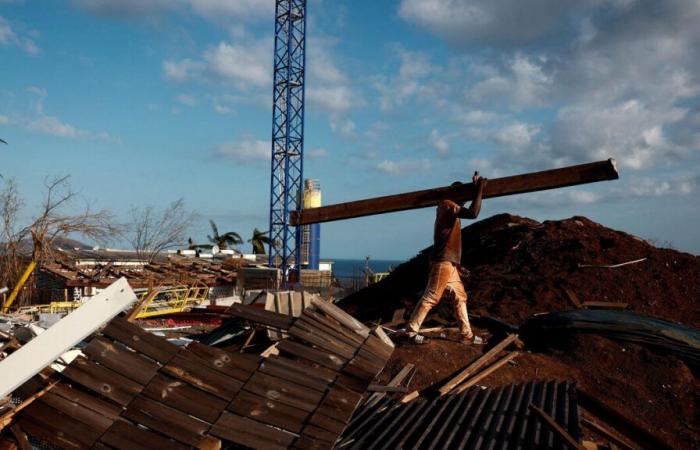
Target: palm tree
<point>223,240</point>
<point>259,240</point>
<point>191,245</point>
<point>3,141</point>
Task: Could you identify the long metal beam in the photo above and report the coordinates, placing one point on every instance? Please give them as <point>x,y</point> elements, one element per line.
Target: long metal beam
<point>497,187</point>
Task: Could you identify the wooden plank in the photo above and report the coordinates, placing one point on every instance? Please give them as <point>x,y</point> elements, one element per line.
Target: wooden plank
<point>261,316</point>
<point>251,433</point>
<point>332,424</point>
<point>126,436</point>
<point>183,397</point>
<point>516,184</point>
<point>169,421</point>
<point>318,356</point>
<point>486,372</point>
<point>321,340</point>
<point>379,331</point>
<point>269,411</point>
<point>234,365</point>
<point>106,409</point>
<point>336,334</point>
<point>272,367</point>
<point>335,326</point>
<point>573,297</point>
<point>311,370</point>
<point>384,388</point>
<point>122,360</point>
<point>89,417</point>
<point>102,380</point>
<point>189,367</point>
<point>283,391</point>
<point>20,437</point>
<point>617,438</point>
<point>140,340</point>
<point>396,381</point>
<point>351,382</point>
<point>7,418</point>
<point>39,431</point>
<point>45,348</point>
<point>605,305</point>
<point>310,443</point>
<point>558,429</point>
<point>60,424</point>
<point>339,403</point>
<point>138,307</point>
<point>315,432</point>
<point>341,316</point>
<point>477,364</point>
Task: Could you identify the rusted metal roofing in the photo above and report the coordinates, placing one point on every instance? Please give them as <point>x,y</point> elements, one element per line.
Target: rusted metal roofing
<point>479,418</point>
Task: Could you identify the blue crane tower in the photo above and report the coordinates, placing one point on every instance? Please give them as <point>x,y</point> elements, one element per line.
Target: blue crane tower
<point>287,133</point>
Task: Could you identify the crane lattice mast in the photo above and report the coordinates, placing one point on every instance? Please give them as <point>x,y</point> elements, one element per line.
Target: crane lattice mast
<point>287,133</point>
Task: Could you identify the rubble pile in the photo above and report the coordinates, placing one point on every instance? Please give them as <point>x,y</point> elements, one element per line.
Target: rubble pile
<point>519,268</point>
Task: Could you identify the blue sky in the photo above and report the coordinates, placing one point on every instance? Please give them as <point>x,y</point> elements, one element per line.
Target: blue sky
<point>146,101</point>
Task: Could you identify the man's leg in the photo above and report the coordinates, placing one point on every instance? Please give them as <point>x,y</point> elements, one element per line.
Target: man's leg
<point>437,280</point>
<point>460,304</point>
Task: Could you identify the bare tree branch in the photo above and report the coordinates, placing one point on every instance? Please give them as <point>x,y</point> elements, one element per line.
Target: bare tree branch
<point>151,232</point>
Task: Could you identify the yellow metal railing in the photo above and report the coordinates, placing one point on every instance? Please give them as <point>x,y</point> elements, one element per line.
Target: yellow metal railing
<point>166,301</point>
<point>174,300</point>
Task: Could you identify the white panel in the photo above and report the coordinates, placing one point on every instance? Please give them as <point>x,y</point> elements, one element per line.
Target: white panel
<point>64,334</point>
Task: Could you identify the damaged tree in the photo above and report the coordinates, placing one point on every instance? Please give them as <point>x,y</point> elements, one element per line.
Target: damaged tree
<point>151,232</point>
<point>54,221</point>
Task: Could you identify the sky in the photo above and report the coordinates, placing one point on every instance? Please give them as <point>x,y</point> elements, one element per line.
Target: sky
<point>144,102</point>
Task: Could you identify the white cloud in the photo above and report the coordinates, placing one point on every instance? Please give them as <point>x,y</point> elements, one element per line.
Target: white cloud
<point>497,22</point>
<point>9,36</point>
<point>244,66</point>
<point>38,121</point>
<point>439,143</point>
<point>403,167</point>
<point>345,128</point>
<point>4,119</point>
<point>183,70</point>
<point>523,82</point>
<point>409,81</point>
<point>316,153</point>
<point>187,99</point>
<point>215,10</point>
<point>247,150</point>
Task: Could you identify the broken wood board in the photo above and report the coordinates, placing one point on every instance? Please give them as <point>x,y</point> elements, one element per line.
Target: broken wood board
<point>516,184</point>
<point>64,334</point>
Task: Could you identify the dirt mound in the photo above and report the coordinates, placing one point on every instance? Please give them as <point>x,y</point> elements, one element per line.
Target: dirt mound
<point>521,267</point>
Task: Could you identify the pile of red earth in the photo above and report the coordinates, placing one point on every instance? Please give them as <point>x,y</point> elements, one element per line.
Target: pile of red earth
<point>521,267</point>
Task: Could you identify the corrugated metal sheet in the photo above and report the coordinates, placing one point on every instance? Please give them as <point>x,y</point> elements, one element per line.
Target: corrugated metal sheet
<point>479,418</point>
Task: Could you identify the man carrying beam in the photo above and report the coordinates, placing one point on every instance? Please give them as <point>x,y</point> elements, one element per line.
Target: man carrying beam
<point>445,264</point>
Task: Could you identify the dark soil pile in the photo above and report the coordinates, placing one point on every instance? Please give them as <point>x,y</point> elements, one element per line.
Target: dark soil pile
<point>521,267</point>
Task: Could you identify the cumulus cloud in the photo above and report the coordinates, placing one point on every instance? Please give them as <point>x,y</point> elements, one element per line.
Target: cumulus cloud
<point>328,87</point>
<point>409,82</point>
<point>38,121</point>
<point>616,78</point>
<point>246,150</point>
<point>187,99</point>
<point>439,143</point>
<point>316,153</point>
<point>215,10</point>
<point>467,23</point>
<point>242,65</point>
<point>403,167</point>
<point>9,36</point>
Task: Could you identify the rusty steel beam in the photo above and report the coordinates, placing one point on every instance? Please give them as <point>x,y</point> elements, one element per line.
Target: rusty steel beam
<point>497,187</point>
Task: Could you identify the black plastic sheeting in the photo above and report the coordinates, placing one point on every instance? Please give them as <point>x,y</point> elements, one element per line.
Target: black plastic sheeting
<point>498,418</point>
<point>660,335</point>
